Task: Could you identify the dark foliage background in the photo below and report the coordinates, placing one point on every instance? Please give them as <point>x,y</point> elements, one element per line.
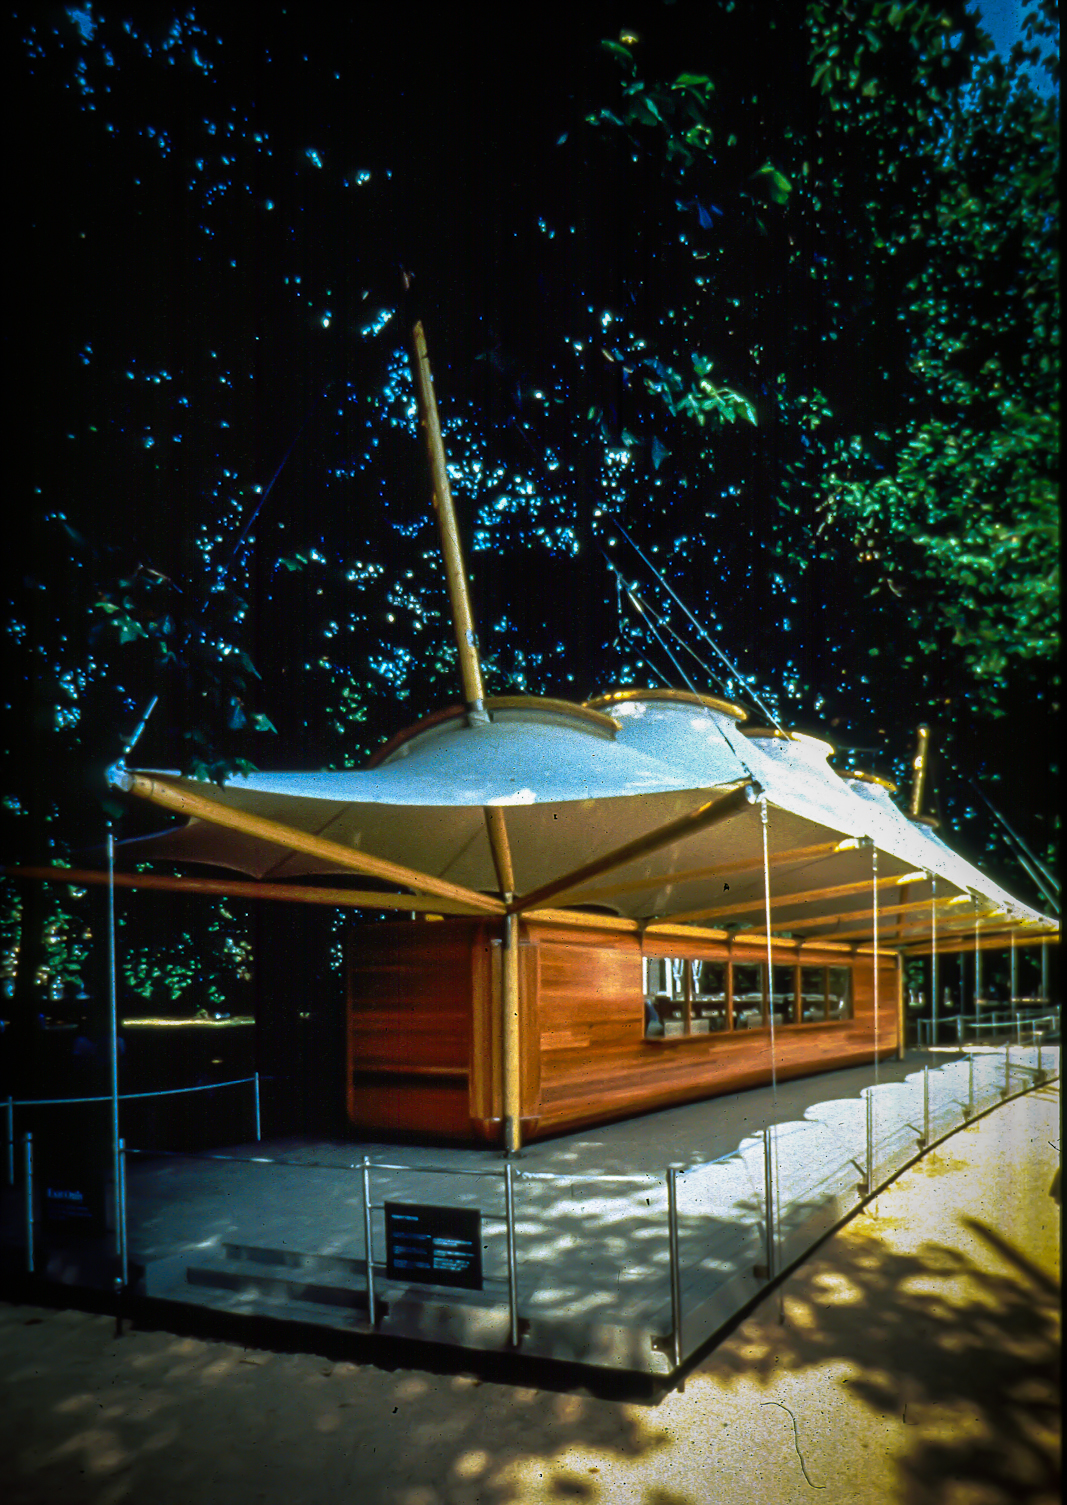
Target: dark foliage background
<point>777,291</point>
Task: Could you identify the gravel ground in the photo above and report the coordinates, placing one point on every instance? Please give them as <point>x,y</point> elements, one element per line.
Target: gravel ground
<point>913,1358</point>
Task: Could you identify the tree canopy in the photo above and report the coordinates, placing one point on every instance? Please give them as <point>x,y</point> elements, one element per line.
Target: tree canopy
<point>781,300</point>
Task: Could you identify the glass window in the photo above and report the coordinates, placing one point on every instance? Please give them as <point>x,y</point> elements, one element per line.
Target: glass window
<point>748,995</point>
<point>812,994</point>
<point>657,971</point>
<point>838,993</point>
<point>783,995</point>
<point>709,997</point>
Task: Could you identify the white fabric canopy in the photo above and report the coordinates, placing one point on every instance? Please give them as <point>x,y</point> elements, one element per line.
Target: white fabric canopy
<point>573,788</point>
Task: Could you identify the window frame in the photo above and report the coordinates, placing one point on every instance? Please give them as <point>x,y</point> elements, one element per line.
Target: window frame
<point>681,993</point>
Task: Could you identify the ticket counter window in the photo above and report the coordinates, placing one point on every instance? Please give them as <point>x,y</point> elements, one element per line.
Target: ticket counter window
<point>709,997</point>
<point>665,1009</point>
<point>783,995</point>
<point>812,995</point>
<point>838,993</point>
<point>748,996</point>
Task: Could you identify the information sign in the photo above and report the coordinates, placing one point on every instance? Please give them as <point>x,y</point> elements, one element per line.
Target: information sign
<point>74,1204</point>
<point>439,1246</point>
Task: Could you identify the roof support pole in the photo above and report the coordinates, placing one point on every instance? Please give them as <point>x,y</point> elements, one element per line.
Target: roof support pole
<point>455,574</point>
<point>510,1037</point>
<point>934,979</point>
<point>500,847</point>
<point>874,920</point>
<point>112,1042</point>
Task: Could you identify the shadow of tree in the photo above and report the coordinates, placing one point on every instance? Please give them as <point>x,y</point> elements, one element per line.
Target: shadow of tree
<point>967,1356</point>
<point>163,1417</point>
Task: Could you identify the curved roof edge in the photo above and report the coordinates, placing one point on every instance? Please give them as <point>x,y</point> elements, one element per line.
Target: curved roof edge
<point>684,697</point>
<point>592,718</point>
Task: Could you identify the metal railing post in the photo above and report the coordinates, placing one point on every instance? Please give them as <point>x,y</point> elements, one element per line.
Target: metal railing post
<point>768,1201</point>
<point>870,1142</point>
<point>367,1234</point>
<point>1007,1070</point>
<point>121,1190</point>
<point>1040,1073</point>
<point>513,1271</point>
<point>27,1142</point>
<point>970,1085</point>
<point>255,1090</point>
<point>10,1141</point>
<point>676,1284</point>
<point>926,1107</point>
<point>113,1030</point>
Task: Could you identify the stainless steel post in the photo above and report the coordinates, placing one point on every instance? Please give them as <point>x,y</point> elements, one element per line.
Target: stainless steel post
<point>113,1045</point>
<point>27,1142</point>
<point>926,1107</point>
<point>1044,971</point>
<point>367,1235</point>
<point>513,1272</point>
<point>121,1193</point>
<point>1007,1070</point>
<point>970,1085</point>
<point>255,1082</point>
<point>11,1141</point>
<point>676,1284</point>
<point>870,1142</point>
<point>1014,982</point>
<point>1040,1073</point>
<point>768,1200</point>
<point>935,1033</point>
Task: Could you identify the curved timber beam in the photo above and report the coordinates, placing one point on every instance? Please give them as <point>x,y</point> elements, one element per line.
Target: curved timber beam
<point>183,801</point>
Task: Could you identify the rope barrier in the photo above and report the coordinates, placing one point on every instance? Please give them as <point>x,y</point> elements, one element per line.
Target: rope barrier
<point>43,1102</point>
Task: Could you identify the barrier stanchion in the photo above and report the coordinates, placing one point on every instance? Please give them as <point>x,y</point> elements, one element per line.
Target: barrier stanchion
<point>513,1273</point>
<point>676,1284</point>
<point>367,1234</point>
<point>970,1085</point>
<point>124,1254</point>
<point>27,1142</point>
<point>870,1142</point>
<point>926,1107</point>
<point>1007,1071</point>
<point>768,1201</point>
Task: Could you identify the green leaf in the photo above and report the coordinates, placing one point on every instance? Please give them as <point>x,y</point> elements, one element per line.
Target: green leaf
<point>620,53</point>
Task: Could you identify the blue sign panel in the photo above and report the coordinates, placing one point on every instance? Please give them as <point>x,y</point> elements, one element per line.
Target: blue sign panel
<point>439,1246</point>
<point>74,1204</point>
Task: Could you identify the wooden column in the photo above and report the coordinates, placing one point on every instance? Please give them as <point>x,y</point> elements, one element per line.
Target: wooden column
<point>512,1062</point>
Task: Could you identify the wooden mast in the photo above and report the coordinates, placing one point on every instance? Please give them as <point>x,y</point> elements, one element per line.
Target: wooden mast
<point>474,694</point>
<point>455,575</point>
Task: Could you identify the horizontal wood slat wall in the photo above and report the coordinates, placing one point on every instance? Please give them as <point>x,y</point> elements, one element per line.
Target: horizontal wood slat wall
<point>425,997</point>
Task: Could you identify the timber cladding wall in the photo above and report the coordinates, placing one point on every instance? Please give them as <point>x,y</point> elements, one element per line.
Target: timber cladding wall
<point>410,988</point>
<point>424,1027</point>
<point>596,1063</point>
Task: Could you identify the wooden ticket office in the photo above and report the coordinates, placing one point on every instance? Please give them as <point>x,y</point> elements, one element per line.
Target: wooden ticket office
<point>424,1011</point>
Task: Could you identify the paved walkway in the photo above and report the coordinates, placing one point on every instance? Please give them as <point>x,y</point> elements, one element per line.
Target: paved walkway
<point>914,1360</point>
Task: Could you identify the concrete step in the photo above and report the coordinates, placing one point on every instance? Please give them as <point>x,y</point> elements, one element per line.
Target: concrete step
<point>282,1282</point>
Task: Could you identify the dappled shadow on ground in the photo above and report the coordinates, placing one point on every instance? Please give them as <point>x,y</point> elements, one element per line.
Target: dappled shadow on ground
<point>158,1416</point>
<point>959,1358</point>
